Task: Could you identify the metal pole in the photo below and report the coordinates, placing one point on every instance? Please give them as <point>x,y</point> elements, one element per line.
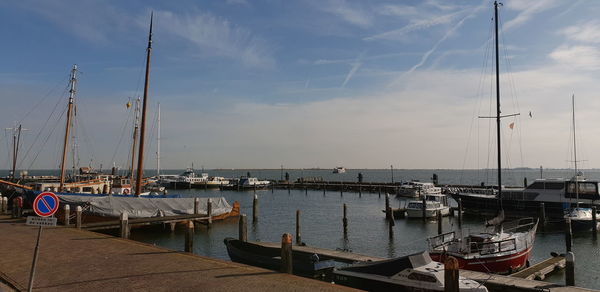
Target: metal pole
<point>35,257</point>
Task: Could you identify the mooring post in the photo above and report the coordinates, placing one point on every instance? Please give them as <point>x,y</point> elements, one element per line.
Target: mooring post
<point>439,221</point>
<point>379,193</point>
<point>359,191</point>
<point>387,206</point>
<point>451,275</point>
<point>595,224</point>
<point>15,208</point>
<point>342,190</point>
<point>255,209</point>
<point>4,205</point>
<point>1,205</point>
<point>243,228</point>
<point>306,191</point>
<point>570,269</point>
<point>424,208</point>
<point>124,220</point>
<point>196,206</point>
<point>189,237</point>
<point>568,234</point>
<point>205,185</point>
<point>391,222</point>
<point>209,211</point>
<point>460,213</point>
<point>286,253</point>
<point>298,236</point>
<point>78,212</point>
<point>345,221</point>
<point>324,190</point>
<point>543,215</point>
<point>67,214</point>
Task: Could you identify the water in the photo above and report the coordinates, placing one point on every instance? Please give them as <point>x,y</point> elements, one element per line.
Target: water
<point>321,218</point>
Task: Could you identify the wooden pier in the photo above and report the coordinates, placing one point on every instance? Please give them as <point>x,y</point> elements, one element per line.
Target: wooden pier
<point>77,260</point>
<point>541,269</point>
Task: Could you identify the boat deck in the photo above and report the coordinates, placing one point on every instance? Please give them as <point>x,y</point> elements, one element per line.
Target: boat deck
<point>79,260</point>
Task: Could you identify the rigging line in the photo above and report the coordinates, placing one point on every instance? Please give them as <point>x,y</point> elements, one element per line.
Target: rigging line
<point>123,130</point>
<point>46,140</point>
<point>43,99</point>
<point>151,140</point>
<point>56,106</point>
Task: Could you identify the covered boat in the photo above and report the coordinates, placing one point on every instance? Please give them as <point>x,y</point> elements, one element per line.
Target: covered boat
<point>416,272</point>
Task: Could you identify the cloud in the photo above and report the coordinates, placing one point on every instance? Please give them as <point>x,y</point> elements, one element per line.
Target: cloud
<point>588,32</point>
<point>237,2</point>
<point>350,13</point>
<point>577,57</point>
<point>214,35</point>
<point>527,10</point>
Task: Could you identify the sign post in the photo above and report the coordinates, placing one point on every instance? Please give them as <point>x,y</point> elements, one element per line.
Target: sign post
<point>44,205</point>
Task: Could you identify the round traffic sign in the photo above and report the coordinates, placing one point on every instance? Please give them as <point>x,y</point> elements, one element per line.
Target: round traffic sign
<point>45,204</point>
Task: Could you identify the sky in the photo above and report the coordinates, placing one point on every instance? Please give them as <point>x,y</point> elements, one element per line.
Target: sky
<point>265,83</point>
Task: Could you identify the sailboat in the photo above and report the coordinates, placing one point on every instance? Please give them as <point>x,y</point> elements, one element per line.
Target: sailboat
<point>581,218</point>
<point>505,247</point>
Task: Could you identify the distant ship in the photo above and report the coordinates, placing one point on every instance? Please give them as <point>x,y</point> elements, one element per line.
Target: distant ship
<point>339,169</point>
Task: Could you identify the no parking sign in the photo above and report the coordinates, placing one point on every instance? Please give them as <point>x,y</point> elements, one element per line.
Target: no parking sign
<point>45,204</point>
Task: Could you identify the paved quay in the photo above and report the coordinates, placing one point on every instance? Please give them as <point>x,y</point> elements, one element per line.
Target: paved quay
<point>72,259</point>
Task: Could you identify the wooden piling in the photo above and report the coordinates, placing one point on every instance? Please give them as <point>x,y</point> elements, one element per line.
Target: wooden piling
<point>305,191</point>
<point>379,194</point>
<point>196,206</point>
<point>570,269</point>
<point>4,205</point>
<point>255,209</point>
<point>345,221</point>
<point>424,208</point>
<point>543,215</point>
<point>298,236</point>
<point>342,190</point>
<point>1,205</point>
<point>189,237</point>
<point>460,212</point>
<point>78,212</point>
<point>451,275</point>
<point>243,228</point>
<point>568,235</point>
<point>595,224</point>
<point>286,253</point>
<point>439,222</point>
<point>67,214</point>
<point>324,189</point>
<point>124,230</point>
<point>209,211</point>
<point>387,206</point>
<point>172,226</point>
<point>391,222</point>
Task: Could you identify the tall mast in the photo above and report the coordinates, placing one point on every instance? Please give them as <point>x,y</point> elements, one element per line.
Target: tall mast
<point>158,144</point>
<point>67,128</point>
<point>575,153</point>
<point>140,171</point>
<point>498,107</point>
<point>16,141</point>
<point>135,132</point>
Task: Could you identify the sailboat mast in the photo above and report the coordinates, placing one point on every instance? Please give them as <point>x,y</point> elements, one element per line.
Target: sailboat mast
<point>67,128</point>
<point>158,144</point>
<point>16,141</point>
<point>575,153</point>
<point>498,107</point>
<point>140,171</point>
<point>135,132</point>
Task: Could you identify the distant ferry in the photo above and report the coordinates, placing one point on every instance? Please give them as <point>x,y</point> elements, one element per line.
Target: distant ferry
<point>339,169</point>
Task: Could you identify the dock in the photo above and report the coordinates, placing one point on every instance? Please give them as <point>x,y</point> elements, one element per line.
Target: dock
<point>518,282</point>
<point>78,260</point>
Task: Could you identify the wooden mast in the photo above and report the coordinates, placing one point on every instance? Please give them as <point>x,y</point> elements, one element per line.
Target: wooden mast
<point>158,145</point>
<point>67,128</point>
<point>135,133</point>
<point>140,170</point>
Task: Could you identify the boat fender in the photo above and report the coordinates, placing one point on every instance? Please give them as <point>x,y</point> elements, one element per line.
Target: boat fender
<point>19,201</point>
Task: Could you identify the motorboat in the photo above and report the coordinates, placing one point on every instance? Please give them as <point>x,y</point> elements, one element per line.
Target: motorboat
<point>502,250</point>
<point>581,219</point>
<point>415,272</point>
<point>417,188</point>
<point>434,204</point>
<point>339,169</point>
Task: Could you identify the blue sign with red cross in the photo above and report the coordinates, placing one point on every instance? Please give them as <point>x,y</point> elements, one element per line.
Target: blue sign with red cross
<point>45,204</point>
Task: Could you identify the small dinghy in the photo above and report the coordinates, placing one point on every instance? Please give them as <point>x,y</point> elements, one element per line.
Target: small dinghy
<point>416,272</point>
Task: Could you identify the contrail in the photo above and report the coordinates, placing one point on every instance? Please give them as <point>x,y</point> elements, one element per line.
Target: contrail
<point>355,66</point>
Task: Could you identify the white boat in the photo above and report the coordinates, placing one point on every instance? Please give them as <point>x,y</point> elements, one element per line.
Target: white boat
<point>251,182</point>
<point>417,188</point>
<point>339,169</point>
<point>434,203</point>
<point>216,181</point>
<point>416,272</point>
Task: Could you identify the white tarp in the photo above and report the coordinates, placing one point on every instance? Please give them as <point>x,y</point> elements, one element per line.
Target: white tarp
<point>141,207</point>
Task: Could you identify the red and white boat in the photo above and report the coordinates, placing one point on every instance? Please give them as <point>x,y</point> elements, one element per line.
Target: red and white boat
<point>503,250</point>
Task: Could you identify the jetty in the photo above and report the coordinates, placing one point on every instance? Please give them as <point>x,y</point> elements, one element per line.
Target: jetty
<point>77,260</point>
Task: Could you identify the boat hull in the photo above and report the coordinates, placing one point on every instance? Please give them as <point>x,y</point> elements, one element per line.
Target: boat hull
<point>430,213</point>
<point>505,264</point>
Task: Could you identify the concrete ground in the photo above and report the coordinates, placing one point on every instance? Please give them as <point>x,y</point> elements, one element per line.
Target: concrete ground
<point>72,259</point>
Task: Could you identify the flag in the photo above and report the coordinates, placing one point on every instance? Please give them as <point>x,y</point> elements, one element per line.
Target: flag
<point>511,125</point>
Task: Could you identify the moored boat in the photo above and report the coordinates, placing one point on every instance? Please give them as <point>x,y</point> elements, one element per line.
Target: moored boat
<point>416,272</point>
<point>417,188</point>
<point>434,204</point>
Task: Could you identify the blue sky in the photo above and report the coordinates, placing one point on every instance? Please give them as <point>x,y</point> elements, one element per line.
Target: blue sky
<point>306,83</point>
